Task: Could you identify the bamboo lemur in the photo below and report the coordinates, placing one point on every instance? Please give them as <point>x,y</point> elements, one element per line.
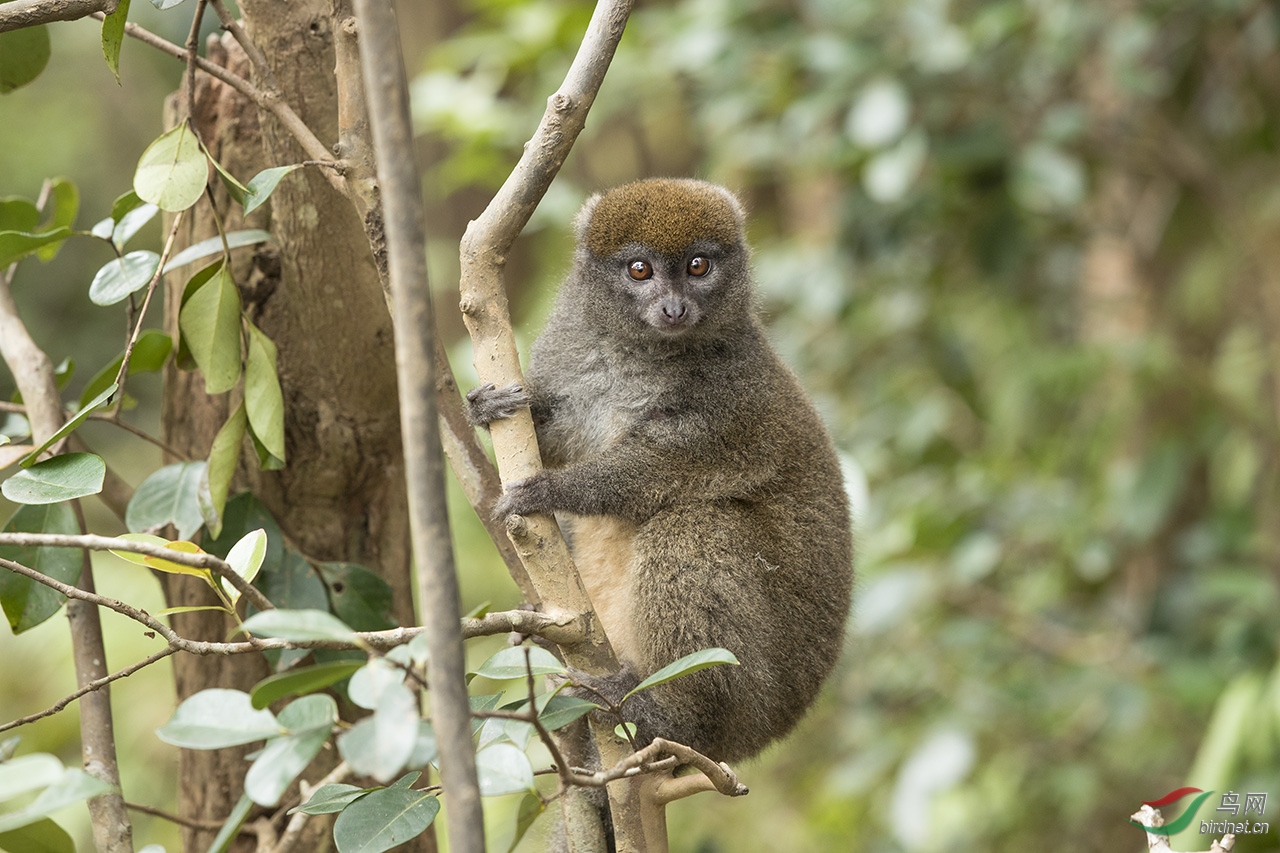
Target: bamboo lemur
<point>700,491</point>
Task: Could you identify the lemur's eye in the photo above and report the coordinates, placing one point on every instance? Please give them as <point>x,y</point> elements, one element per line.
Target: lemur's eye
<point>639,270</point>
<point>699,266</point>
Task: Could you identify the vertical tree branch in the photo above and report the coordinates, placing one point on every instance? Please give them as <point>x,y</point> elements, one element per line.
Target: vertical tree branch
<point>387,94</point>
<point>484,306</point>
<point>33,374</point>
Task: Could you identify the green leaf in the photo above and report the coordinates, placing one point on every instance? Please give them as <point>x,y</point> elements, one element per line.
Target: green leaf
<point>23,55</point>
<point>27,602</point>
<point>503,769</point>
<point>213,246</point>
<point>510,663</point>
<point>368,685</point>
<point>245,558</point>
<point>234,188</point>
<point>150,353</point>
<point>120,277</point>
<point>132,221</point>
<point>217,718</point>
<point>167,497</point>
<point>309,721</point>
<point>686,665</point>
<point>297,682</point>
<point>224,456</point>
<point>70,426</point>
<point>210,323</point>
<point>231,827</point>
<point>125,203</point>
<point>18,213</point>
<point>560,711</point>
<point>113,35</point>
<point>173,171</point>
<point>28,772</point>
<point>43,836</point>
<point>65,201</point>
<point>424,746</point>
<point>263,185</point>
<point>328,799</point>
<point>243,513</point>
<point>384,819</point>
<point>361,598</point>
<point>263,399</point>
<point>298,625</point>
<point>15,245</point>
<point>62,478</point>
<point>531,805</point>
<point>159,564</point>
<point>381,745</point>
<point>73,787</point>
<point>266,461</point>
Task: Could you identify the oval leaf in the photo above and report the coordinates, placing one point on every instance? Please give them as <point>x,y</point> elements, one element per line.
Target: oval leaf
<point>510,663</point>
<point>503,769</point>
<point>263,399</point>
<point>686,665</point>
<point>224,456</point>
<point>380,746</point>
<point>131,221</point>
<point>173,171</point>
<point>217,718</point>
<point>298,625</point>
<point>27,602</point>
<point>121,276</point>
<point>263,185</point>
<point>245,558</point>
<point>62,478</point>
<point>157,563</point>
<point>298,682</point>
<point>328,799</point>
<point>210,323</point>
<point>384,819</point>
<point>23,55</point>
<point>167,497</point>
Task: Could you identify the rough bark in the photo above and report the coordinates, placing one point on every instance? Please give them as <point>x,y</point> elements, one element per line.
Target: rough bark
<point>316,293</point>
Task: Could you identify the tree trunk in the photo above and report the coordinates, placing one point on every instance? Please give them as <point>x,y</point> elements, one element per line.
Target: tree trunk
<point>316,293</point>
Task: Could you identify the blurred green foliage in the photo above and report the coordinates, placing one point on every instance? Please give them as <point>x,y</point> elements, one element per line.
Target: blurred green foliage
<point>1022,252</point>
<point>1024,255</point>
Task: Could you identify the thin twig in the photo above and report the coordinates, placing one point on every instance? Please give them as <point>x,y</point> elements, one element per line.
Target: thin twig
<point>193,46</point>
<point>91,686</point>
<point>314,148</point>
<point>293,832</point>
<point>566,776</point>
<point>119,421</point>
<point>251,49</point>
<point>205,825</point>
<point>123,373</point>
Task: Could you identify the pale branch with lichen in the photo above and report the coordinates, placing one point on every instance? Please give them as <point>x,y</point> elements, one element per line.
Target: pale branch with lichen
<point>20,14</point>
<point>1148,816</point>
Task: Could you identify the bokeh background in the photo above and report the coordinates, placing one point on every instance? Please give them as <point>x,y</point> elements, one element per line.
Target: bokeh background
<point>1026,256</point>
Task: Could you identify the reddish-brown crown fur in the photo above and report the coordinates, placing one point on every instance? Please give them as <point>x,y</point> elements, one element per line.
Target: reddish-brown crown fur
<point>665,214</point>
